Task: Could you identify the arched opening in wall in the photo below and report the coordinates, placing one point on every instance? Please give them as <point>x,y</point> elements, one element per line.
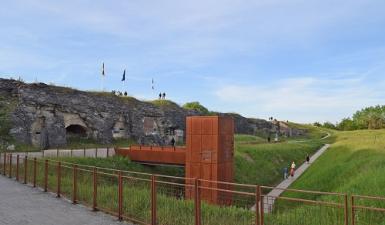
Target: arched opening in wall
<point>76,131</point>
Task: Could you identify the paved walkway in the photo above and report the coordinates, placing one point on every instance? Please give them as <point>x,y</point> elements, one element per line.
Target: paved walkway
<point>269,199</point>
<point>23,205</point>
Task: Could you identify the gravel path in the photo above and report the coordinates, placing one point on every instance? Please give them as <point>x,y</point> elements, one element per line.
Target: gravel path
<point>24,205</point>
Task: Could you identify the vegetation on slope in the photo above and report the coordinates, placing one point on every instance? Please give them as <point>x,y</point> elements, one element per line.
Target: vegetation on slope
<point>355,163</point>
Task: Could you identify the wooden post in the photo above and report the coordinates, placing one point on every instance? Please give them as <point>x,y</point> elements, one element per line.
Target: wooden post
<point>153,200</point>
<point>120,196</point>
<point>25,168</point>
<point>46,175</point>
<point>58,179</point>
<point>353,211</point>
<point>197,203</point>
<point>5,164</point>
<point>96,152</point>
<point>262,207</point>
<point>75,189</point>
<point>34,171</point>
<point>84,152</point>
<point>57,153</point>
<point>17,167</point>
<point>257,202</point>
<point>108,152</point>
<point>346,210</point>
<point>10,165</point>
<point>95,192</point>
<point>72,152</point>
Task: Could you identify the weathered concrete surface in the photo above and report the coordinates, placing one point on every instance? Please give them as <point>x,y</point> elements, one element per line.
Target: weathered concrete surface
<point>23,205</point>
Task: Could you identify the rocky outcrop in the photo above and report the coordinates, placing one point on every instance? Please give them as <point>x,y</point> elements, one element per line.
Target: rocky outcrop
<point>47,115</point>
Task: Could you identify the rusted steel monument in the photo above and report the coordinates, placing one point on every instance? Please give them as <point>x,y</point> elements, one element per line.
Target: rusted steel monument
<point>208,156</point>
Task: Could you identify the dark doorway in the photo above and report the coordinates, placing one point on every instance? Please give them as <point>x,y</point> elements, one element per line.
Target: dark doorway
<point>76,131</point>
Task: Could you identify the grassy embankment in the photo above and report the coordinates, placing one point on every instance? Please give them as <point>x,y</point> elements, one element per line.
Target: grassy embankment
<point>354,164</point>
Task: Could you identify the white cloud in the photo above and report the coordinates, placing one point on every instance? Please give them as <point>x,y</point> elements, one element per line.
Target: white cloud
<point>304,99</point>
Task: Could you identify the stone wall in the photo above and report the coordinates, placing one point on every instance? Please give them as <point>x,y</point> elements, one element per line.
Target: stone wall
<point>44,114</point>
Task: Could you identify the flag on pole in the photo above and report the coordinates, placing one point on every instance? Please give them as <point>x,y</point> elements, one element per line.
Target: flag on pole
<point>124,75</point>
<point>152,83</point>
<point>103,70</point>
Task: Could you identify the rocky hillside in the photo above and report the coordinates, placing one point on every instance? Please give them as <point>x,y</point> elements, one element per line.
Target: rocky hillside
<point>46,116</point>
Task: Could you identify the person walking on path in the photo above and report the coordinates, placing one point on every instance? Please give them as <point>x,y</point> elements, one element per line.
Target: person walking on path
<point>307,159</point>
<point>173,142</point>
<point>292,169</point>
<point>285,175</point>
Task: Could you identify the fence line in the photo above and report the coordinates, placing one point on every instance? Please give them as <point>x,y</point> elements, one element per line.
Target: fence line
<point>156,199</point>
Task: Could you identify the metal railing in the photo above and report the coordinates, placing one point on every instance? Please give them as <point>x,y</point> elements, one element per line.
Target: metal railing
<point>157,199</point>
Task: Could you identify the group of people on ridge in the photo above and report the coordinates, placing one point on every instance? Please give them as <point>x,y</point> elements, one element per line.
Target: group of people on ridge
<point>162,96</point>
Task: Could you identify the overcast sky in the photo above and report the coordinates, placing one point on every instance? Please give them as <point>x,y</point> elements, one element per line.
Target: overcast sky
<point>297,60</point>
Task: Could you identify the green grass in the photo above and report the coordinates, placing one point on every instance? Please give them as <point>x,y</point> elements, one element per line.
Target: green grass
<point>121,163</point>
<point>263,163</point>
<point>76,143</point>
<point>354,164</point>
<point>164,103</point>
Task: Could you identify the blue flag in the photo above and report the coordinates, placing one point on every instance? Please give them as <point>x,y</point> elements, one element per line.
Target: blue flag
<point>124,75</point>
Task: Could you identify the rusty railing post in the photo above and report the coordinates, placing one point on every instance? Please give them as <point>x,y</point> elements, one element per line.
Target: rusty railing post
<point>153,200</point>
<point>120,196</point>
<point>75,184</point>
<point>5,164</point>
<point>17,167</point>
<point>108,152</point>
<point>353,211</point>
<point>197,203</point>
<point>257,202</point>
<point>34,171</point>
<point>25,168</point>
<point>58,179</point>
<point>96,152</point>
<point>10,165</point>
<point>95,192</point>
<point>346,213</point>
<point>262,207</point>
<point>46,175</point>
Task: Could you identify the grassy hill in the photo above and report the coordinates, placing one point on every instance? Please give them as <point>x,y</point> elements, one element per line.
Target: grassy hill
<point>355,163</point>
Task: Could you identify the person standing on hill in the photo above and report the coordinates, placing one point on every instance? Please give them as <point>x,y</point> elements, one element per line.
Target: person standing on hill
<point>164,95</point>
<point>307,159</point>
<point>160,96</point>
<point>292,169</point>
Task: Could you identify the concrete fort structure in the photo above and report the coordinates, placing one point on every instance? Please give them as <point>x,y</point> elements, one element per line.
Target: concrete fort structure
<point>208,156</point>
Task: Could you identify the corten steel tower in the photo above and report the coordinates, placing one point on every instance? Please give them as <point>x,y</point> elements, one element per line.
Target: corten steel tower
<point>209,156</point>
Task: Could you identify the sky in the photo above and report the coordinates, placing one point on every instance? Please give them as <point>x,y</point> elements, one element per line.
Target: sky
<point>297,60</point>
